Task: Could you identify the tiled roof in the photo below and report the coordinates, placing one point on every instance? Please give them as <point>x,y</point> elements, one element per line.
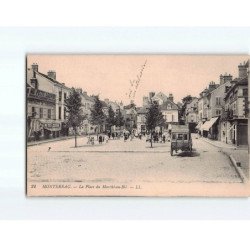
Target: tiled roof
<point>104,104</point>
<point>52,80</point>
<point>241,81</point>
<point>165,105</point>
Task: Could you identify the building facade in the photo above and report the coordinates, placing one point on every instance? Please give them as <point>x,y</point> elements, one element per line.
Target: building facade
<point>48,84</point>
<point>141,120</point>
<point>235,120</point>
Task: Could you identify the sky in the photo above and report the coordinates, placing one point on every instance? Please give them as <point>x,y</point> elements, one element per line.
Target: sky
<point>126,77</point>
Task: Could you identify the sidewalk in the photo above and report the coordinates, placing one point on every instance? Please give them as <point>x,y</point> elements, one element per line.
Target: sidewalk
<point>238,156</point>
<point>34,143</point>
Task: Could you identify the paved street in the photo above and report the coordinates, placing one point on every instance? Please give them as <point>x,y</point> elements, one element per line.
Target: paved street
<point>131,161</point>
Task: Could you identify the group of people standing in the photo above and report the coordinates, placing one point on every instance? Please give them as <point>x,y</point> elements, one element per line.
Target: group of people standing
<point>157,137</point>
<point>127,135</point>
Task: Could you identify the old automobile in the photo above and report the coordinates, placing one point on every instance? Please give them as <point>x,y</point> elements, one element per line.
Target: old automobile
<point>180,139</point>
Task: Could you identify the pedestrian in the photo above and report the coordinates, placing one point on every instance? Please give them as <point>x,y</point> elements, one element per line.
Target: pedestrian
<point>164,138</point>
<point>100,139</point>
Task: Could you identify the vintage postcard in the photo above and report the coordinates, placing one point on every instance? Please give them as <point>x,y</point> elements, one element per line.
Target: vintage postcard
<point>137,125</point>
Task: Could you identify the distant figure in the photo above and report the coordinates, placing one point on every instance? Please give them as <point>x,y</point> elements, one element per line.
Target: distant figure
<point>49,149</point>
<point>100,139</point>
<point>107,138</point>
<point>164,138</point>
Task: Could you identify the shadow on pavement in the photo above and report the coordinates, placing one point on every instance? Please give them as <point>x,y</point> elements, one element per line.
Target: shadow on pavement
<point>194,153</point>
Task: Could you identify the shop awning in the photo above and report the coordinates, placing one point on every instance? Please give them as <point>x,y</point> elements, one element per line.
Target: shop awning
<point>208,124</point>
<point>198,126</point>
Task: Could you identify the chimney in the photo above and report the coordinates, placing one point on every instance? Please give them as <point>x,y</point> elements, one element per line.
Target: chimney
<point>151,94</point>
<point>242,70</point>
<point>34,67</point>
<point>171,97</point>
<point>225,78</point>
<point>228,78</point>
<point>211,86</point>
<point>79,90</point>
<point>221,79</point>
<point>52,74</point>
<point>145,101</point>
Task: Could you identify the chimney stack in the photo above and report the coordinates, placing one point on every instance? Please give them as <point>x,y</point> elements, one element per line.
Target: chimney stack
<point>34,67</point>
<point>145,101</point>
<point>52,74</point>
<point>171,97</point>
<point>151,94</point>
<point>225,78</point>
<point>242,70</point>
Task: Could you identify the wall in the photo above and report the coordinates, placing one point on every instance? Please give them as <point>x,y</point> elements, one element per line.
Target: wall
<point>39,105</point>
<point>170,115</point>
<point>218,92</point>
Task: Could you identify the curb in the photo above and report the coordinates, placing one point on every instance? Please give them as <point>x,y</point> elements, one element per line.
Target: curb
<point>211,143</point>
<point>233,161</point>
<point>237,168</point>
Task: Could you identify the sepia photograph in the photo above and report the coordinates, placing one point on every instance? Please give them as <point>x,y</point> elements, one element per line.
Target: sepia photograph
<point>137,125</point>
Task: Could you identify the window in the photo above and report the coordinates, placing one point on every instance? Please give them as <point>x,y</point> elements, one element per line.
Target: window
<point>33,112</point>
<point>172,118</point>
<point>245,92</point>
<point>60,96</point>
<point>180,137</point>
<point>41,112</point>
<point>60,111</point>
<point>218,102</point>
<point>65,96</point>
<point>49,113</point>
<point>64,115</point>
<point>217,112</point>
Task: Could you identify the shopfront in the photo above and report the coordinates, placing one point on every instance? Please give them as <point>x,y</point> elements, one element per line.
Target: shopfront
<point>39,129</point>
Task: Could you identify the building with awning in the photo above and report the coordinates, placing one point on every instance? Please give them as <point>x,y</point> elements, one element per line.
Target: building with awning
<point>208,129</point>
<point>51,125</point>
<point>208,124</point>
